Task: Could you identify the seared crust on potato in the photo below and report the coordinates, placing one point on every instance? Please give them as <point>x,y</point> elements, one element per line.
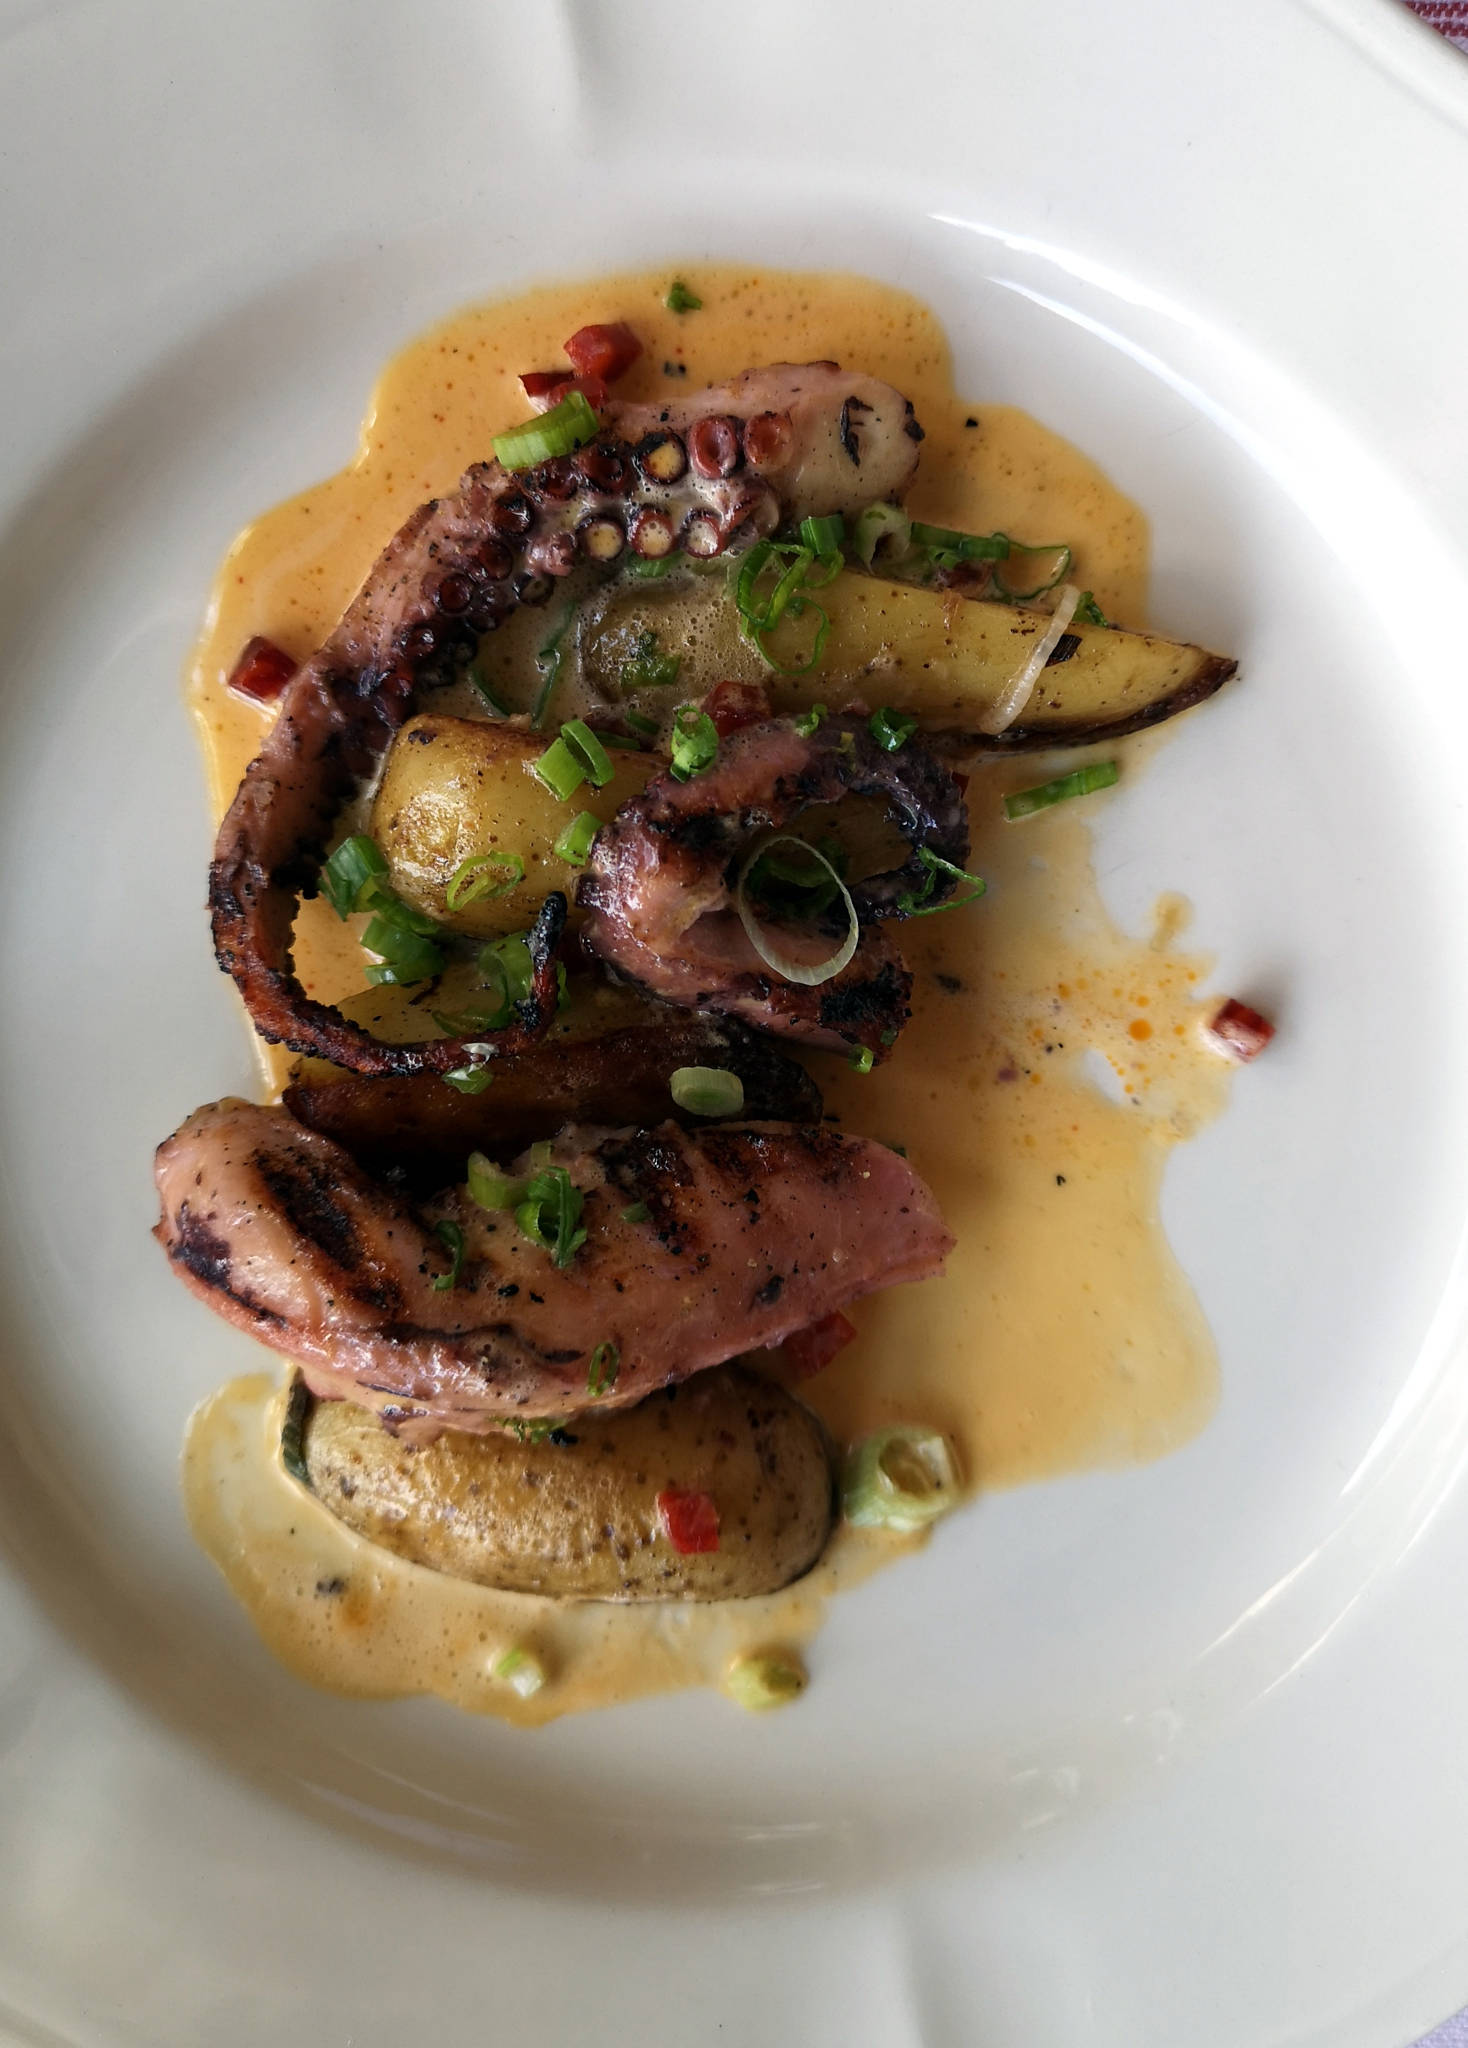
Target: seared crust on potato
<point>578,1518</point>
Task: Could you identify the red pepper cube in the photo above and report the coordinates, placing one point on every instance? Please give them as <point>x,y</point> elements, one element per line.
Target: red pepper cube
<point>545,388</point>
<point>812,1349</point>
<point>606,352</point>
<point>690,1520</point>
<point>262,671</point>
<point>1239,1031</point>
<point>732,704</point>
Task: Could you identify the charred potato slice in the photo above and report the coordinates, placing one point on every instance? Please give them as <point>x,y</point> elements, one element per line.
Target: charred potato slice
<point>456,787</point>
<point>943,657</point>
<point>579,1519</point>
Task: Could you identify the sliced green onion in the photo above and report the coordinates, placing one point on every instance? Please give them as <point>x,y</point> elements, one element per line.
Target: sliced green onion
<point>797,610</point>
<point>1023,803</point>
<point>574,844</point>
<point>695,742</point>
<point>758,1683</point>
<point>680,299</point>
<point>351,874</point>
<point>899,1478</point>
<point>470,1080</point>
<point>803,887</point>
<point>646,668</point>
<point>910,903</point>
<point>648,567</point>
<point>949,547</point>
<point>1030,572</point>
<point>789,965</point>
<point>707,1091</point>
<point>863,1060</point>
<point>479,876</point>
<point>552,433</point>
<point>790,561</point>
<point>489,696</point>
<point>807,722</point>
<point>638,1213</point>
<point>589,751</point>
<point>1088,612</point>
<point>520,1670</point>
<point>560,771</point>
<point>453,1237</point>
<point>640,722</point>
<point>488,1186</point>
<point>549,1214</point>
<point>878,523</point>
<point>824,536</point>
<point>606,1363</point>
<point>548,659</point>
<point>506,964</point>
<point>891,729</point>
<point>406,956</point>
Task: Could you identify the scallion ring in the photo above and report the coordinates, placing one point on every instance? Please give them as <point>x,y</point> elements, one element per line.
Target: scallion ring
<point>352,873</point>
<point>891,729</point>
<point>899,1478</point>
<point>706,1091</point>
<point>481,875</point>
<point>489,1186</point>
<point>574,844</point>
<point>606,1363</point>
<point>914,903</point>
<point>1023,803</point>
<point>759,1683</point>
<point>777,954</point>
<point>876,525</point>
<point>557,432</point>
<point>589,751</point>
<point>453,1237</point>
<point>695,742</point>
<point>520,1670</point>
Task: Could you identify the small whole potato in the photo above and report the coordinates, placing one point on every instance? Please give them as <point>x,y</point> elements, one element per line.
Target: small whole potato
<point>456,788</point>
<point>579,1518</point>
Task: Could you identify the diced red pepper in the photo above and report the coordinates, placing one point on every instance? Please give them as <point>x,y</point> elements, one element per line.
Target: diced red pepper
<point>545,388</point>
<point>1241,1032</point>
<point>690,1520</point>
<point>606,352</point>
<point>812,1349</point>
<point>731,705</point>
<point>262,671</point>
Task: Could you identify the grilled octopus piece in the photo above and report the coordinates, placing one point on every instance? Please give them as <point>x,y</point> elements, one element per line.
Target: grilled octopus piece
<point>727,463</point>
<point>737,1236</point>
<point>659,882</point>
<point>407,1126</point>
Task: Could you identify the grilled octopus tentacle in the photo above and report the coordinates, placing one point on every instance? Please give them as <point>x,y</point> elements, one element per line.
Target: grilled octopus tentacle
<point>753,1231</point>
<point>659,882</point>
<point>723,464</point>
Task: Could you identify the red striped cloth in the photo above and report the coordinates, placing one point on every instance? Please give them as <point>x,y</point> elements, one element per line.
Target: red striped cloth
<point>1449,17</point>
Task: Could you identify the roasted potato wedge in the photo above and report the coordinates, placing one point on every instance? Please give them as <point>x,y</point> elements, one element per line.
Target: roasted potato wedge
<point>579,1519</point>
<point>456,787</point>
<point>941,656</point>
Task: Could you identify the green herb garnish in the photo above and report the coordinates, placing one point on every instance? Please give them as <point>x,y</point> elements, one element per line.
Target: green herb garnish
<point>453,1237</point>
<point>606,1363</point>
<point>1023,803</point>
<point>914,903</point>
<point>891,729</point>
<point>680,299</point>
<point>481,875</point>
<point>557,432</point>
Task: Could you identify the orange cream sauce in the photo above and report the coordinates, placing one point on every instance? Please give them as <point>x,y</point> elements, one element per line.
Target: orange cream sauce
<point>1064,1335</point>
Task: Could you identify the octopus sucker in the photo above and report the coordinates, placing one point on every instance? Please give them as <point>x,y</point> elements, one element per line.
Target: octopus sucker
<point>718,469</point>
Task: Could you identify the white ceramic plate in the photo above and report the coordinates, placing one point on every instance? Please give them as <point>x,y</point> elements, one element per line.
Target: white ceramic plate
<point>1159,1757</point>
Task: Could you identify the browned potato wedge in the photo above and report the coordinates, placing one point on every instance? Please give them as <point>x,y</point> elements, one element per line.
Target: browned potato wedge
<point>579,1519</point>
<point>456,787</point>
<point>941,656</point>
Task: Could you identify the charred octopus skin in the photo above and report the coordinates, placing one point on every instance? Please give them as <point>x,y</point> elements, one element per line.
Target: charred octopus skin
<point>660,881</point>
<point>699,1245</point>
<point>721,466</point>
